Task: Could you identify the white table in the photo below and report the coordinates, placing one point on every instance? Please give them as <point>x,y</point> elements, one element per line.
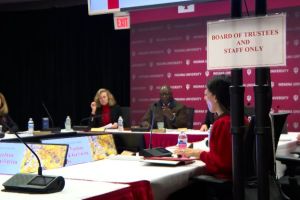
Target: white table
<point>164,180</point>
<point>74,189</point>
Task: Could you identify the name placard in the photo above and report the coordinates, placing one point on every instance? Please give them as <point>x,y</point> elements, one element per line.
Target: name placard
<point>86,149</point>
<point>79,150</point>
<point>247,42</point>
<point>16,158</point>
<point>11,155</point>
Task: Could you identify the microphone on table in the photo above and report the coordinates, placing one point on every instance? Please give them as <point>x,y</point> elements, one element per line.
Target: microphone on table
<point>152,123</point>
<point>91,118</point>
<point>154,152</point>
<point>32,183</point>
<point>51,119</point>
<point>87,127</point>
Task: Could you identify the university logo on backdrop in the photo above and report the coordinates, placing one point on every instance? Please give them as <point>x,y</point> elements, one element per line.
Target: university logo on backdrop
<point>171,62</point>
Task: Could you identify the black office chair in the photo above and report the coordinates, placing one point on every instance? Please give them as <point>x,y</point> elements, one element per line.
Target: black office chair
<point>190,117</point>
<point>290,182</point>
<point>126,116</point>
<point>277,122</point>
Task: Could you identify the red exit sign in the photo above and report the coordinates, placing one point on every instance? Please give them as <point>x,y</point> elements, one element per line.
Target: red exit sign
<point>121,21</point>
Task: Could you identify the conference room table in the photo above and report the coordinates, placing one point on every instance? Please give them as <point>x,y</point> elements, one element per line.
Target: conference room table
<point>145,181</point>
<point>163,179</point>
<point>75,189</point>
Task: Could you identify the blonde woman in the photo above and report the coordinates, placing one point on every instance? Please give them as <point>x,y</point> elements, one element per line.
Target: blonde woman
<point>5,120</point>
<point>105,110</point>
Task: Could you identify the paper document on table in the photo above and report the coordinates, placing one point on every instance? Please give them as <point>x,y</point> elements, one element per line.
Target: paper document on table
<point>168,160</point>
<point>101,129</point>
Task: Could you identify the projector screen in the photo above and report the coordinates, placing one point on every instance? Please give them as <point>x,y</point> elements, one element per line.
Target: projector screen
<point>97,7</point>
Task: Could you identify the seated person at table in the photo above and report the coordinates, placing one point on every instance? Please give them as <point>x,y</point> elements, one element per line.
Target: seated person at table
<point>167,110</point>
<point>218,159</point>
<point>105,110</point>
<point>5,120</point>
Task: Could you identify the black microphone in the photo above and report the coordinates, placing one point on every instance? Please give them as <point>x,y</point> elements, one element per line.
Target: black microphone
<point>44,106</point>
<point>154,152</point>
<point>152,123</point>
<point>85,127</point>
<point>53,129</point>
<point>90,118</point>
<point>31,183</point>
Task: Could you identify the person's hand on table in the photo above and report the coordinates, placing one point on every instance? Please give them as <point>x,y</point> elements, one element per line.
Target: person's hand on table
<point>188,152</point>
<point>168,113</point>
<point>145,124</point>
<point>203,127</point>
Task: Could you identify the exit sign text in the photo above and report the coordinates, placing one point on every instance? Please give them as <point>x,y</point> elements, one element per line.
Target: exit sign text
<point>122,22</point>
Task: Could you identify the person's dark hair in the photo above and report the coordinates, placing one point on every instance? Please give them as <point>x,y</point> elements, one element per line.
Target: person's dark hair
<point>219,86</point>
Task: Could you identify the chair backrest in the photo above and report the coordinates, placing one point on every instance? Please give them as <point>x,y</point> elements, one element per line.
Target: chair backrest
<point>126,116</point>
<point>129,142</point>
<point>190,117</point>
<point>278,121</point>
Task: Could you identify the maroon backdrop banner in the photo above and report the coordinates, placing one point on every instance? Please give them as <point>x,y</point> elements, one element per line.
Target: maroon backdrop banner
<point>173,52</point>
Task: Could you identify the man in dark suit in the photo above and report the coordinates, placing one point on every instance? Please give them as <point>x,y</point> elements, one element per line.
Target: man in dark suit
<point>167,110</point>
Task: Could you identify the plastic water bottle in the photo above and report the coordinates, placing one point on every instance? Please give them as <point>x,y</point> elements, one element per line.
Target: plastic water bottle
<point>120,124</point>
<point>68,123</point>
<point>30,125</point>
<point>182,140</point>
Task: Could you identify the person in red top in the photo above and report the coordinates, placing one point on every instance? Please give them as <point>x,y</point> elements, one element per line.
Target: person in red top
<point>105,110</point>
<point>218,159</point>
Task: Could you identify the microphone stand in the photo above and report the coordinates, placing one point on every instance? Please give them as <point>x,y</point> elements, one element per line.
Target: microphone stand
<point>154,152</point>
<point>40,169</point>
<point>44,106</point>
<point>151,127</point>
<point>89,118</point>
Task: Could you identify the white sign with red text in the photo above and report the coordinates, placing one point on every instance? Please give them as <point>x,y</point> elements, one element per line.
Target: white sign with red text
<point>247,42</point>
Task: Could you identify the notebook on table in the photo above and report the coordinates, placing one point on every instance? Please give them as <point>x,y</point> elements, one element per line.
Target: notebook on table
<point>168,161</point>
